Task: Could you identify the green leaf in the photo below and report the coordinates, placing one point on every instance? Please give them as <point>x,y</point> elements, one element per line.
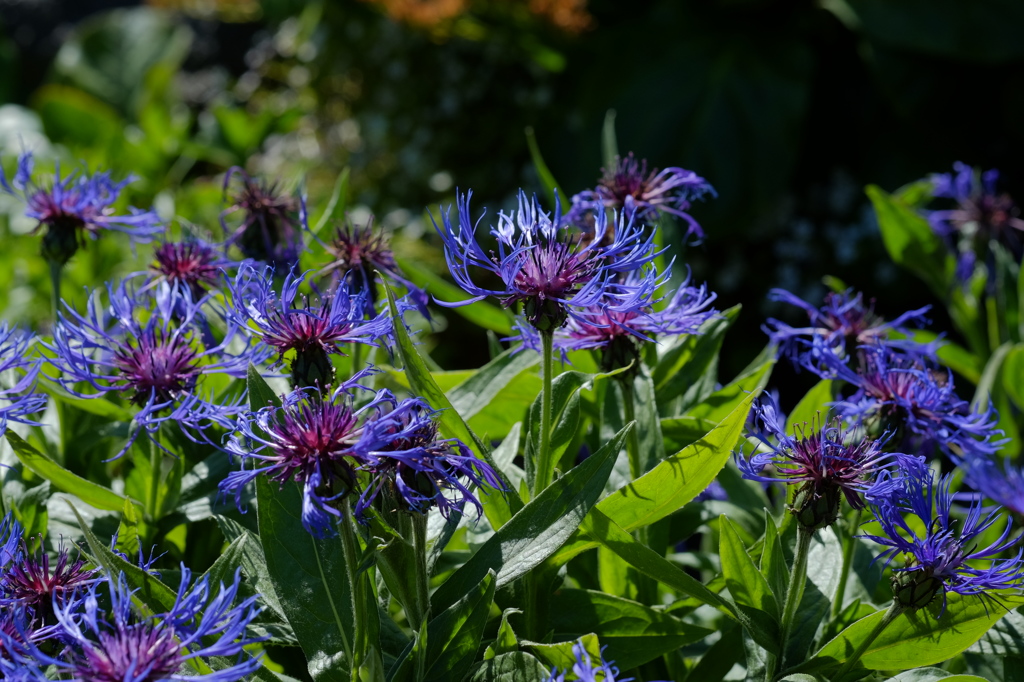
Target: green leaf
<point>543,172</point>
<point>538,529</point>
<point>338,203</point>
<point>719,404</point>
<point>773,563</point>
<point>253,562</point>
<point>99,406</point>
<point>561,655</point>
<point>497,396</point>
<point>609,144</point>
<point>91,493</point>
<point>748,588</point>
<point>952,355</point>
<point>917,638</point>
<point>309,579</point>
<point>454,635</point>
<point>634,634</point>
<point>720,657</point>
<point>934,675</point>
<point>260,393</point>
<point>229,561</point>
<point>156,596</point>
<point>1013,374</point>
<point>689,369</point>
<point>481,313</point>
<point>911,242</point>
<point>1005,638</point>
<point>512,667</point>
<point>814,402</point>
<point>497,506</point>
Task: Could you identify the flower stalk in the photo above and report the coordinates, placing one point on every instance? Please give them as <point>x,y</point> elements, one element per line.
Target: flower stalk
<point>545,466</point>
<point>794,593</point>
<point>895,609</point>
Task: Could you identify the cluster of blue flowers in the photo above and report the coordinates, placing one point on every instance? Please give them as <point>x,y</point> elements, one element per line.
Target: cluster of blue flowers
<point>82,622</point>
<point>897,411</point>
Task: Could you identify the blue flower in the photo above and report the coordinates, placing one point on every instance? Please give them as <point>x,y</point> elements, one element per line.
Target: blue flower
<point>1002,483</point>
<point>620,334</point>
<point>905,394</point>
<point>108,641</point>
<point>543,264</point>
<point>357,252</point>
<point>310,440</point>
<point>405,457</point>
<point>313,327</point>
<point>838,328</point>
<point>18,402</point>
<point>76,206</point>
<point>938,548</point>
<point>10,540</point>
<point>630,189</point>
<point>271,226</point>
<point>154,352</point>
<point>586,669</point>
<point>826,458</point>
<point>193,265</point>
<point>981,215</point>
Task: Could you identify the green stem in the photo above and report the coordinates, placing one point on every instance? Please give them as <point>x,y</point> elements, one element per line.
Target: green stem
<point>421,608</point>
<point>350,546</point>
<point>357,357</point>
<point>156,465</point>
<point>545,467</point>
<point>636,466</point>
<point>794,593</point>
<point>894,611</point>
<point>55,272</point>
<point>844,575</point>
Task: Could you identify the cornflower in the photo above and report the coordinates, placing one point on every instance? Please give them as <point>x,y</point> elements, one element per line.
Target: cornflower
<point>845,323</point>
<point>403,454</point>
<point>355,253</point>
<point>271,225</point>
<point>586,669</point>
<point>153,351</point>
<point>544,265</point>
<point>192,265</point>
<point>113,644</point>
<point>629,188</point>
<point>75,207</point>
<point>19,401</point>
<point>30,582</point>
<point>1002,483</point>
<point>936,560</point>
<point>619,335</point>
<point>825,458</point>
<point>313,327</point>
<point>982,215</point>
<point>905,394</point>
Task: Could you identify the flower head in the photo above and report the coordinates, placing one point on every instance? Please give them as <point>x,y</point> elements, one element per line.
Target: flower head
<point>825,458</point>
<point>193,265</point>
<point>312,327</point>
<point>544,265</point>
<point>839,328</point>
<point>18,401</point>
<point>271,225</point>
<point>905,394</point>
<point>618,333</point>
<point>586,669</point>
<point>356,252</point>
<point>405,456</point>
<point>981,215</point>
<point>1002,483</point>
<point>76,206</point>
<point>154,353</point>
<point>30,581</point>
<point>937,557</point>
<point>113,644</point>
<point>628,187</point>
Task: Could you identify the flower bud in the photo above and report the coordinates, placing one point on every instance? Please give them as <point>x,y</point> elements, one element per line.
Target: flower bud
<point>816,508</point>
<point>915,589</point>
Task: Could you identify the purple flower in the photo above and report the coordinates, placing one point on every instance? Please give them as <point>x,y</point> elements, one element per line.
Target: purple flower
<point>194,266</point>
<point>356,252</point>
<point>313,327</point>
<point>905,394</point>
<point>619,333</point>
<point>309,440</point>
<point>30,581</point>
<point>108,642</point>
<point>587,670</point>
<point>76,206</point>
<point>405,457</point>
<point>271,225</point>
<point>629,188</point>
<point>545,265</point>
<point>155,353</point>
<point>838,328</point>
<point>981,215</point>
<point>938,548</point>
<point>827,459</point>
<point>19,401</point>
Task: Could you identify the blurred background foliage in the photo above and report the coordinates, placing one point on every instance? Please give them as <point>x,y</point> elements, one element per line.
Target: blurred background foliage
<point>789,107</point>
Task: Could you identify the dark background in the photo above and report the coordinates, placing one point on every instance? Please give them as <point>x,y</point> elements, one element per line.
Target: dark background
<point>788,108</point>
